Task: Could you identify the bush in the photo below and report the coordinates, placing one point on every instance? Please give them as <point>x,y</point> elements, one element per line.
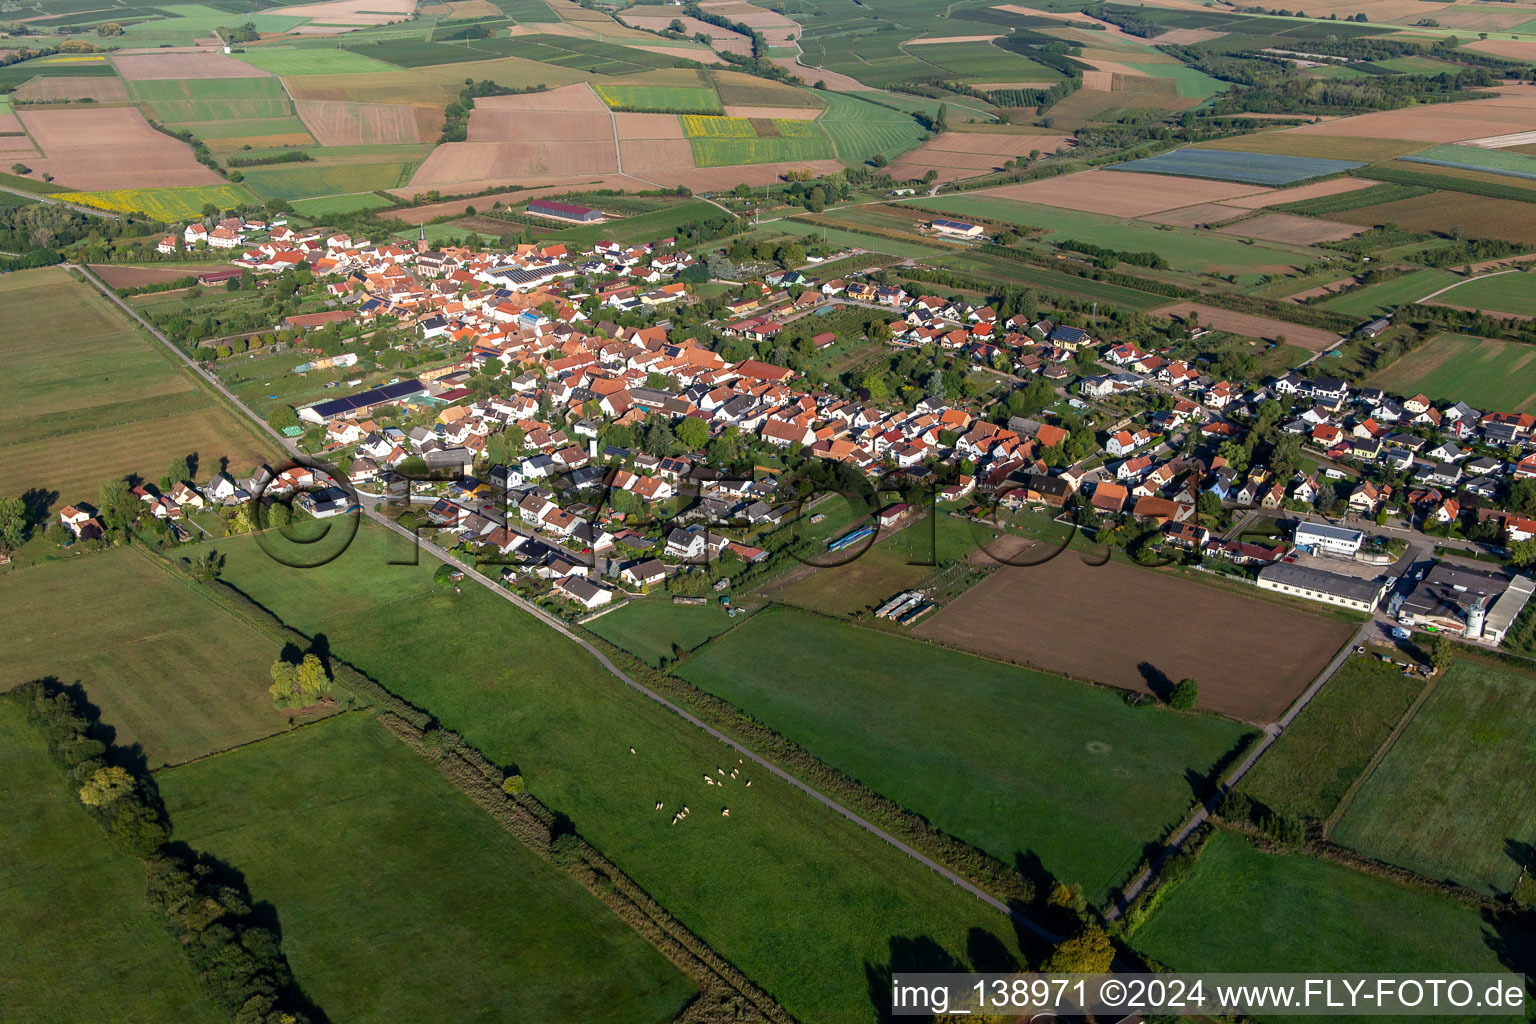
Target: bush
<point>1185,695</point>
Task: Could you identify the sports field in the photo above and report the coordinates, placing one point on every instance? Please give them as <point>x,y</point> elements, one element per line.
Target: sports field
<point>652,627</point>
<point>794,895</point>
<point>1001,757</point>
<point>180,676</point>
<point>1497,293</point>
<point>81,942</point>
<point>1321,916</point>
<point>1322,753</point>
<point>1450,798</point>
<point>1487,374</point>
<point>69,431</point>
<point>399,899</point>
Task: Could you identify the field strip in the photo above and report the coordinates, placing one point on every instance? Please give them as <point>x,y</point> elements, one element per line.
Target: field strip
<point>1381,752</point>
<point>544,617</point>
<point>1202,814</point>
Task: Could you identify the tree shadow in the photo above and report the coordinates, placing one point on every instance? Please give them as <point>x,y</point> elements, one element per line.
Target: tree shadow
<point>1157,682</point>
<point>916,955</point>
<point>37,502</point>
<point>192,461</point>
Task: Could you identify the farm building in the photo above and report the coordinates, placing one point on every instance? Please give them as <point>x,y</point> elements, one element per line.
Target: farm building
<point>564,211</point>
<point>956,228</point>
<point>1328,540</point>
<point>1327,587</point>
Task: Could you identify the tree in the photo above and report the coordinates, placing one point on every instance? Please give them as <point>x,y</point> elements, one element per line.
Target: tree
<point>208,568</point>
<point>13,524</point>
<point>1087,952</point>
<point>693,432</point>
<point>1185,695</point>
<point>298,685</point>
<point>941,119</point>
<point>20,168</point>
<point>118,506</point>
<point>1441,652</point>
<point>283,417</point>
<point>107,786</point>
<point>1522,553</point>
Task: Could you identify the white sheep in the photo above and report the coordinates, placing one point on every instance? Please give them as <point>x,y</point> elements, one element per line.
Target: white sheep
<point>749,782</point>
<point>725,812</point>
<point>658,805</point>
<point>719,770</point>
<point>631,750</point>
<point>734,771</point>
<point>675,818</point>
<point>685,812</point>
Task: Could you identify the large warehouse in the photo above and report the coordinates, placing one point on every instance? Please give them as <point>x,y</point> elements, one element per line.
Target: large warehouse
<point>1472,603</point>
<point>1328,587</point>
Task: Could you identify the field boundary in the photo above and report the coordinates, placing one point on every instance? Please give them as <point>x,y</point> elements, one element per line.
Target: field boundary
<point>1337,815</point>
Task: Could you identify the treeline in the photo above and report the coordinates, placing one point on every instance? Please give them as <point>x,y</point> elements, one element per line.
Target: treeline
<point>39,233</point>
<point>456,114</point>
<point>1107,258</point>
<point>239,961</point>
<point>293,156</point>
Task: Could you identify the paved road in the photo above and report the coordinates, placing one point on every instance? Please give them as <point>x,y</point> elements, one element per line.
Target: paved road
<point>560,627</point>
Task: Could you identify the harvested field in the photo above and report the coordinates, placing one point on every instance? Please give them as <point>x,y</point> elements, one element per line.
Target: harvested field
<point>833,80</point>
<point>647,126</point>
<point>461,162</point>
<point>143,67</point>
<point>570,97</point>
<point>682,53</point>
<point>501,124</point>
<point>122,276</point>
<point>1436,122</point>
<point>1128,627</point>
<point>1514,49</point>
<point>1287,142</point>
<point>1294,230</point>
<point>48,90</point>
<point>336,123</point>
<point>645,156</point>
<point>533,188</point>
<point>1313,339</point>
<point>736,88</point>
<point>708,179</point>
<point>1316,190</point>
<point>721,39</point>
<point>1123,195</point>
<point>968,154</point>
<point>1474,216</point>
<point>1197,216</point>
<point>774,113</point>
<point>1186,36</point>
<point>92,148</point>
<point>354,12</point>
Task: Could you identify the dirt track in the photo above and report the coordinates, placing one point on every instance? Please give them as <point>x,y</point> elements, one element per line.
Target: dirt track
<point>1143,630</point>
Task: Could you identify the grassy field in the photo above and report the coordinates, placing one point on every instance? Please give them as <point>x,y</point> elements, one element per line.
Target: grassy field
<point>1383,299</point>
<point>635,228</point>
<point>855,239</point>
<point>794,895</point>
<point>861,130</point>
<point>1487,374</point>
<point>1187,251</point>
<point>1448,800</point>
<point>1316,759</point>
<point>890,566</point>
<point>1009,272</point>
<point>425,908</point>
<point>297,62</point>
<point>989,767</point>
<point>326,206</point>
<point>168,204</point>
<point>304,181</point>
<point>81,941</point>
<point>650,628</point>
<point>1317,916</point>
<point>1497,293</point>
<point>118,405</point>
<point>212,99</point>
<point>180,676</point>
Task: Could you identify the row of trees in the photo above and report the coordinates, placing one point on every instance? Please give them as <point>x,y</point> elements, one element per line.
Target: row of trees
<point>239,961</point>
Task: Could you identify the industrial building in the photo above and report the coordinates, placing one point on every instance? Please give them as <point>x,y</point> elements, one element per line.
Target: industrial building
<point>1328,587</point>
<point>1473,603</point>
<point>1323,539</point>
